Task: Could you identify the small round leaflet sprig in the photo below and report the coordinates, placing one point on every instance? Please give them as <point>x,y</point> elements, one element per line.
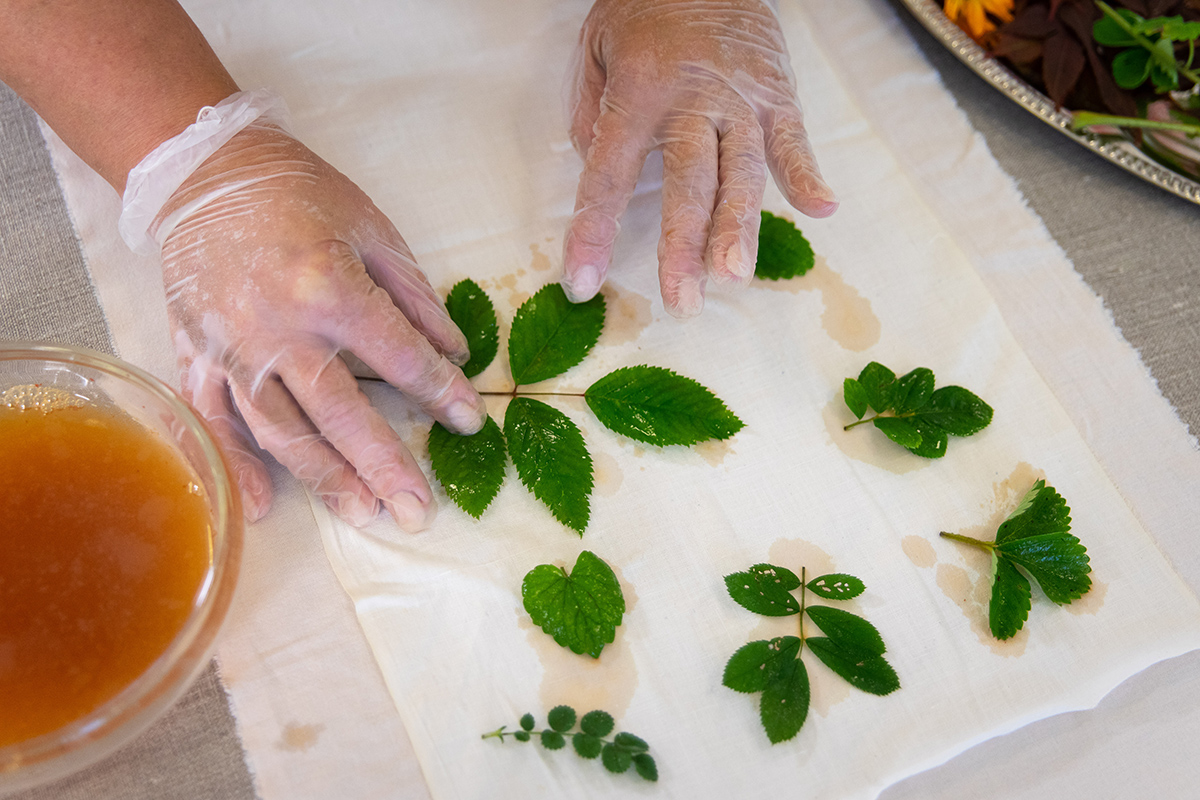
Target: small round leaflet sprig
<point>911,412</point>
<point>1035,539</point>
<point>618,754</point>
<point>851,647</point>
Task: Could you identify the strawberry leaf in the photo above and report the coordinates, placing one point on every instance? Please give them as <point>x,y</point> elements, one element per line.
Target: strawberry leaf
<point>551,459</point>
<point>657,406</point>
<point>550,334</point>
<point>1010,603</point>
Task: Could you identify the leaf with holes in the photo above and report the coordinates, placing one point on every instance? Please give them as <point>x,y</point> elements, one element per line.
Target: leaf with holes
<point>765,589</point>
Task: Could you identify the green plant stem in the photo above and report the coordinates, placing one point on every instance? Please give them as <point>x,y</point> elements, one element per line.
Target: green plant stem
<point>865,420</point>
<point>1155,53</point>
<point>1086,119</point>
<point>982,545</point>
<point>499,733</point>
<point>515,393</point>
<point>803,593</point>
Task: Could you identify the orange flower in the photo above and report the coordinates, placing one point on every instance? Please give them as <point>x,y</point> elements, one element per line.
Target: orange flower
<point>972,15</point>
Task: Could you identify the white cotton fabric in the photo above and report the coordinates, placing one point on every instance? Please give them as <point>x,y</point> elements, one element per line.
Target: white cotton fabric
<point>448,114</point>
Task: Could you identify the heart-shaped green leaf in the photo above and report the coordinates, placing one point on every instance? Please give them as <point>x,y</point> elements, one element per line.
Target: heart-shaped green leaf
<point>580,609</point>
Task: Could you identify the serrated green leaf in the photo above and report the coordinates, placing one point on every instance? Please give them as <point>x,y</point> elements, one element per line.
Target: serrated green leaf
<point>561,718</point>
<point>521,736</point>
<point>634,744</point>
<point>615,759</point>
<point>1057,561</point>
<point>470,468</point>
<point>587,745</point>
<point>645,766</point>
<point>765,589</point>
<point>855,396</point>
<point>550,334</point>
<point>551,459</point>
<point>528,722</point>
<point>1009,607</point>
<point>1177,30</point>
<point>900,430</point>
<point>836,586</point>
<point>847,630</point>
<point>784,704</point>
<point>783,252</point>
<point>752,666</point>
<point>472,311</point>
<point>913,390</point>
<point>880,385</point>
<point>553,740</point>
<point>871,673</point>
<point>657,406</point>
<point>597,723</point>
<point>580,609</point>
<point>1041,511</point>
<point>956,411</point>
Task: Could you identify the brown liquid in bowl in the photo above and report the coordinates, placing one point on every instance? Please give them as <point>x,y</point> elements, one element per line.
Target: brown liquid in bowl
<point>104,542</point>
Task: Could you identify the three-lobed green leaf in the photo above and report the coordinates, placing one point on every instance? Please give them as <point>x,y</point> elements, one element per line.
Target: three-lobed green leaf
<point>580,609</point>
<point>783,252</point>
<point>659,407</point>
<point>470,468</point>
<point>550,334</point>
<point>551,459</point>
<point>472,311</point>
<point>911,412</point>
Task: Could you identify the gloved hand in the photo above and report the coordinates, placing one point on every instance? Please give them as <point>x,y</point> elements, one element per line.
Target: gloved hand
<point>708,82</point>
<point>274,261</point>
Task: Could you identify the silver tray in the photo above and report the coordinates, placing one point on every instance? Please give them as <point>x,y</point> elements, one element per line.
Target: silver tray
<point>1122,153</point>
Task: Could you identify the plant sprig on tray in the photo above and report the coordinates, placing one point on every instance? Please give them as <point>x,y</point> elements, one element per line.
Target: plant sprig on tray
<point>618,754</point>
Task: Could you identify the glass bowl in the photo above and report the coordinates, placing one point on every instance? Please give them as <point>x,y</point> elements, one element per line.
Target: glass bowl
<point>85,378</point>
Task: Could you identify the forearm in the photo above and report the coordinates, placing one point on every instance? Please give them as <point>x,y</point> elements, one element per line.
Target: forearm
<point>113,78</point>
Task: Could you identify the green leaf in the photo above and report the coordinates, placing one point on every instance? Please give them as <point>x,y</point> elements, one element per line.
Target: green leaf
<point>900,430</point>
<point>912,390</point>
<point>551,459</point>
<point>521,736</point>
<point>871,673</point>
<point>933,439</point>
<point>1108,32</point>
<point>752,666</point>
<point>472,311</point>
<point>1009,607</point>
<point>880,385</point>
<point>553,740</point>
<point>1057,561</point>
<point>634,744</point>
<point>580,609</point>
<point>587,745</point>
<point>1177,30</point>
<point>836,586</point>
<point>847,630</point>
<point>765,589</point>
<point>527,722</point>
<point>597,723</point>
<point>957,411</point>
<point>783,252</point>
<point>657,406</point>
<point>615,759</point>
<point>550,334</point>
<point>561,718</point>
<point>1041,511</point>
<point>1131,68</point>
<point>645,766</point>
<point>784,704</point>
<point>856,397</point>
<point>470,468</point>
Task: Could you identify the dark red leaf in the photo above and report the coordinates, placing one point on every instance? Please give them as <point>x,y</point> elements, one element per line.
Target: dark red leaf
<point>1062,64</point>
<point>1032,23</point>
<point>1019,51</point>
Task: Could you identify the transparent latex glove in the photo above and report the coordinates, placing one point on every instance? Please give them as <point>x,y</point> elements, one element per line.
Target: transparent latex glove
<point>275,263</point>
<point>709,83</point>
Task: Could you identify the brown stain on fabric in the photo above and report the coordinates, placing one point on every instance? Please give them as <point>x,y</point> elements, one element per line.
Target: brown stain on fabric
<point>714,451</point>
<point>848,318</point>
<point>627,315</point>
<point>580,681</point>
<point>297,738</point>
<point>919,551</point>
<point>865,443</point>
<point>540,262</point>
<point>607,474</point>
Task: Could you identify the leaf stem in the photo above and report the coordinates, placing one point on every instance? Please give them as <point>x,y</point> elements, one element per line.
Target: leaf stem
<point>1086,119</point>
<point>803,594</point>
<point>861,422</point>
<point>499,733</point>
<point>1156,54</point>
<point>989,546</point>
<point>514,393</point>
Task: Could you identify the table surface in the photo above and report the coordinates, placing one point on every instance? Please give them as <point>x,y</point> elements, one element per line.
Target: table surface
<point>1135,245</point>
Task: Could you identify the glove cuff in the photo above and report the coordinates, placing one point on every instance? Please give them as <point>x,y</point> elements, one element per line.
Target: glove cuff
<point>157,176</point>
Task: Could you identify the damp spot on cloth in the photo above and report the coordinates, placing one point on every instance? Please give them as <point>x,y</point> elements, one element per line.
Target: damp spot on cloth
<point>714,451</point>
<point>540,262</point>
<point>919,551</point>
<point>297,738</point>
<point>865,443</point>
<point>627,315</point>
<point>848,318</point>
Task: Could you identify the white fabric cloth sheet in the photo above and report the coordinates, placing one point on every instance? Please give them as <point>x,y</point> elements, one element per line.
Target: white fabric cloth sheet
<point>449,116</point>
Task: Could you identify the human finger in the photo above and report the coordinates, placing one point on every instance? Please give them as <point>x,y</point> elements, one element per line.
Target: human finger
<point>609,177</point>
<point>688,194</point>
<point>733,244</point>
<point>793,164</point>
<point>585,90</point>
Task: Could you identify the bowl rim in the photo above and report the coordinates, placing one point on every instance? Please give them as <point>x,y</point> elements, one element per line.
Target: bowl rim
<point>114,722</point>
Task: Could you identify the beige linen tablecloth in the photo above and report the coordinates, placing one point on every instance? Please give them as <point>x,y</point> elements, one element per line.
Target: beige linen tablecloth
<point>470,161</point>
